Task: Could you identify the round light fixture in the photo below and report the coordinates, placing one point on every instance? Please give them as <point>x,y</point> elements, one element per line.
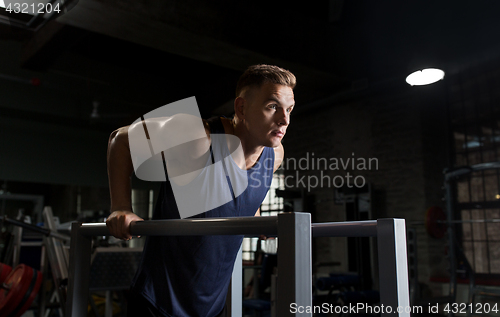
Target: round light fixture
<point>425,76</point>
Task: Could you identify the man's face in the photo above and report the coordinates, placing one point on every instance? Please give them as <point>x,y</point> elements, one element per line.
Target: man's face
<point>267,113</point>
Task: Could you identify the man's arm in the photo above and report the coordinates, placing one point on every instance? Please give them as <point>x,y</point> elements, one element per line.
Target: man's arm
<point>120,169</point>
<point>120,166</point>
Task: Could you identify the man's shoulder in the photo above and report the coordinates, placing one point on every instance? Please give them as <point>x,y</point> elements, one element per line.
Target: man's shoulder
<point>206,125</point>
<point>279,153</point>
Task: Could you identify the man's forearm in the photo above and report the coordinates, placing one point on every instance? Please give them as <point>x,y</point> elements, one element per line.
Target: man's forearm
<point>120,169</point>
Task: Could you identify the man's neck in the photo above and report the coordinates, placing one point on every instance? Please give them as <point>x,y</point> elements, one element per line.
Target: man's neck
<point>251,150</point>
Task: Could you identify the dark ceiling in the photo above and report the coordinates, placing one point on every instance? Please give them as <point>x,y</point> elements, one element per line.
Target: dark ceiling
<point>134,56</point>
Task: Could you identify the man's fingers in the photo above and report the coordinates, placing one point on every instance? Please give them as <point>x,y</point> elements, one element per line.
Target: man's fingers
<point>115,227</point>
<point>125,231</point>
<point>119,224</point>
<point>111,224</point>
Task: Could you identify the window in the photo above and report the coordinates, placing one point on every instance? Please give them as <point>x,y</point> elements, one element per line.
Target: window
<point>474,104</point>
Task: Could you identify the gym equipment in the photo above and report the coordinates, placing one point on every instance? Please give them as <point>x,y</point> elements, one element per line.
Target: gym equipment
<point>57,256</point>
<point>343,290</point>
<point>58,259</point>
<point>44,231</point>
<point>112,269</point>
<point>4,272</point>
<point>360,252</point>
<point>294,279</point>
<point>19,290</point>
<point>439,223</point>
<point>436,224</point>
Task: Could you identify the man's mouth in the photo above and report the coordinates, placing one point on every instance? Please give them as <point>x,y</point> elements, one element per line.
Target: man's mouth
<point>278,133</point>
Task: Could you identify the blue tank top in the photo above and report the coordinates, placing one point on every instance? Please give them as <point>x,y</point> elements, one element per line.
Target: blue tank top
<point>188,276</point>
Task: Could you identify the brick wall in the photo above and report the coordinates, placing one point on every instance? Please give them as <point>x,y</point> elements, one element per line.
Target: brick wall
<point>397,130</point>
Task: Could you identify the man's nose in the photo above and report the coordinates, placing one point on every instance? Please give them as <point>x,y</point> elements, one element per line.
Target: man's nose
<point>284,118</point>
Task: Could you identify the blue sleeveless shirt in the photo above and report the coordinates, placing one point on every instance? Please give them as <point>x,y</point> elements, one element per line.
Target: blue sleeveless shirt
<point>188,276</point>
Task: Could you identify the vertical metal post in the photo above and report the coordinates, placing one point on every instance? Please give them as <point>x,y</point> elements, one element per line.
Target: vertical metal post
<point>16,250</point>
<point>55,248</point>
<point>235,292</point>
<point>56,254</point>
<point>79,272</point>
<point>108,309</point>
<point>44,268</point>
<point>451,241</point>
<point>393,268</point>
<point>294,264</point>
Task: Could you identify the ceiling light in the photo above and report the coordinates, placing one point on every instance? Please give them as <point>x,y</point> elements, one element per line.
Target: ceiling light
<point>425,76</point>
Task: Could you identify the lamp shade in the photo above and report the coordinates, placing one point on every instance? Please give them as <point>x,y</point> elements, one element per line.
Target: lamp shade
<point>425,76</point>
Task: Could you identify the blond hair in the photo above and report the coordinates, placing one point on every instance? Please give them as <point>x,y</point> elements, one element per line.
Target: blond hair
<point>257,75</point>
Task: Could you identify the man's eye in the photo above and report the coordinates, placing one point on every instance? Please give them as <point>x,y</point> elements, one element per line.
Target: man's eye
<point>273,106</point>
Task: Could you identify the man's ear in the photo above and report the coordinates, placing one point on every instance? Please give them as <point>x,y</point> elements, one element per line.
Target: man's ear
<point>239,107</point>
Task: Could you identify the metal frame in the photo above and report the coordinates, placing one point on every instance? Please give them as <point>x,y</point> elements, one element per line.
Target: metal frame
<point>294,282</point>
<point>234,298</point>
<point>58,259</point>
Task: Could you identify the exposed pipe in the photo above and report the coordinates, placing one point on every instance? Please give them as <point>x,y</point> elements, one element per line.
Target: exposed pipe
<point>31,81</point>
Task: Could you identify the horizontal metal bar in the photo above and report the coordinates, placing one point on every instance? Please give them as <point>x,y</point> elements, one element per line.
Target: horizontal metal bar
<point>28,226</point>
<point>470,221</point>
<point>366,228</point>
<point>190,227</point>
<point>415,223</point>
<point>231,226</point>
<point>465,170</point>
<point>493,204</point>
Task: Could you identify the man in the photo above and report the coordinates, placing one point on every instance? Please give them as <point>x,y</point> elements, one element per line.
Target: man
<point>189,276</point>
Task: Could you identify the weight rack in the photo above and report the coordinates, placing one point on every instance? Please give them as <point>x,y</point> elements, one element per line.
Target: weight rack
<point>294,230</point>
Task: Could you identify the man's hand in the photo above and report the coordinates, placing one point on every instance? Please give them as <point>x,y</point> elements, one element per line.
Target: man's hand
<point>119,223</point>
